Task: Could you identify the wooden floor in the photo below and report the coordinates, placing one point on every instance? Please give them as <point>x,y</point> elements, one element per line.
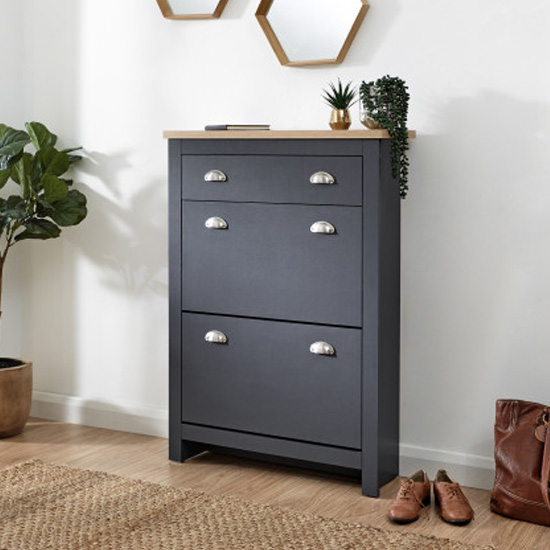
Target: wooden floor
<point>144,457</point>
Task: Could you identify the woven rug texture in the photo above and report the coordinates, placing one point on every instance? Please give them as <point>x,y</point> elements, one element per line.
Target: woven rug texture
<point>45,506</point>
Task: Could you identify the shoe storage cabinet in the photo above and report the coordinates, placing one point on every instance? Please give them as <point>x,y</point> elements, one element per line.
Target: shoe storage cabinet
<point>284,300</point>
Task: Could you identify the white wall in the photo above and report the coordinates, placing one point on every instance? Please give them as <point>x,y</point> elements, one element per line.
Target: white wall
<point>12,58</point>
<point>12,48</point>
<point>112,76</point>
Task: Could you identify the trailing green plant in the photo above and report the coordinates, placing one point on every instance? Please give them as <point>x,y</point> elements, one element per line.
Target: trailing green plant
<point>42,201</point>
<point>340,97</point>
<point>386,101</point>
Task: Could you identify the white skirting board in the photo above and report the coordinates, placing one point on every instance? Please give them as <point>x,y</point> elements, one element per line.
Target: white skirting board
<point>469,470</point>
<point>77,410</point>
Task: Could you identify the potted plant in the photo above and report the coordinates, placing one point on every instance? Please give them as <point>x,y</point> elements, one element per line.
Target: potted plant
<point>385,104</point>
<point>35,203</point>
<point>340,98</point>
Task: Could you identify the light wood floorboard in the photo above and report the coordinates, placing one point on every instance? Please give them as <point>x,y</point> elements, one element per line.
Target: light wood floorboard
<point>146,458</point>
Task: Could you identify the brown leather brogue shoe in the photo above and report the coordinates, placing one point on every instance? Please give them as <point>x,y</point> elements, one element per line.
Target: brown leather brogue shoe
<point>453,505</point>
<point>412,495</point>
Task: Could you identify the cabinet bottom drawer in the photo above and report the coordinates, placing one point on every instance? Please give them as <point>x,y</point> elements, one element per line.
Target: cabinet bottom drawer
<point>288,380</point>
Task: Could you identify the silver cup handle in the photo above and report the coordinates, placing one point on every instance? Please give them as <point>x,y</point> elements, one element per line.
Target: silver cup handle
<point>215,337</point>
<point>215,175</point>
<point>322,178</point>
<point>321,348</point>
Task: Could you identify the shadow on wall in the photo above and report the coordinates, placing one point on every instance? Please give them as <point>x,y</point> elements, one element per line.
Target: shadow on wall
<point>130,237</point>
<point>68,322</point>
<point>475,270</point>
<point>124,236</point>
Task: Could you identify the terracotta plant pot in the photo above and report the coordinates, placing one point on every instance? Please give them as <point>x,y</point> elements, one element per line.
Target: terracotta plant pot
<point>15,396</point>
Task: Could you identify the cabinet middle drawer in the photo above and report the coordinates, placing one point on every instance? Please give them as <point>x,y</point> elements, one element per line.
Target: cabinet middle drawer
<point>272,378</point>
<point>288,179</point>
<point>273,261</point>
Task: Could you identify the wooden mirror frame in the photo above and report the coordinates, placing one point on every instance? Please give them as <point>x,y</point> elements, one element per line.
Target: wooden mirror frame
<point>169,14</point>
<point>261,16</point>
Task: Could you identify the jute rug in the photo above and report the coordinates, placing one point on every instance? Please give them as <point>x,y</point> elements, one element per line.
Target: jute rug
<point>43,506</point>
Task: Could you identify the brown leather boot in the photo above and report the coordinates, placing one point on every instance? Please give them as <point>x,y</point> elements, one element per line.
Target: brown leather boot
<point>453,505</point>
<point>412,495</point>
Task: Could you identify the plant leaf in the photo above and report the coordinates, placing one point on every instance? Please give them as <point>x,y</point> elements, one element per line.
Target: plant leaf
<point>4,224</point>
<point>12,143</point>
<point>74,158</point>
<point>340,97</point>
<point>69,211</point>
<point>39,229</point>
<point>13,208</point>
<point>4,177</point>
<point>54,188</point>
<point>40,136</point>
<point>23,173</point>
<point>53,161</point>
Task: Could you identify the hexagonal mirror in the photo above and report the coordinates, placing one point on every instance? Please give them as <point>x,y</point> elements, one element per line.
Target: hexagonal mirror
<point>311,32</point>
<point>191,9</point>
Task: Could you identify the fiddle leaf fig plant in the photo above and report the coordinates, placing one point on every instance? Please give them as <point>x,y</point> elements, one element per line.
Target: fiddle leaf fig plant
<point>42,200</point>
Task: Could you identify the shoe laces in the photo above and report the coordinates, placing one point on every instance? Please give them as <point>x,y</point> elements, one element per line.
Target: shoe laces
<point>407,491</point>
<point>454,492</point>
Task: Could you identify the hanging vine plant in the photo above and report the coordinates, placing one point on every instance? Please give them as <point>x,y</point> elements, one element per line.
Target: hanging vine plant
<point>386,101</point>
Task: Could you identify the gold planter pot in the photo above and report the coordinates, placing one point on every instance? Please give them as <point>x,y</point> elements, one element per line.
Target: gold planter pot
<point>340,119</point>
<point>15,398</point>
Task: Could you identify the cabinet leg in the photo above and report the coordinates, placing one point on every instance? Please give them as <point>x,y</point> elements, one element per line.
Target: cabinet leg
<point>190,449</point>
<point>369,485</point>
<point>180,451</point>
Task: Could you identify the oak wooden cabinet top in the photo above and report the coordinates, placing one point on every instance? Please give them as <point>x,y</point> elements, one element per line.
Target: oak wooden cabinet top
<point>280,134</point>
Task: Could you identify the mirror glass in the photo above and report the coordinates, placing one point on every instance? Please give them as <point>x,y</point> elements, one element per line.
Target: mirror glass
<point>192,7</point>
<point>313,31</point>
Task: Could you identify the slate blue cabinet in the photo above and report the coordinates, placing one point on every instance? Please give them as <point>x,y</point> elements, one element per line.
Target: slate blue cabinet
<point>285,299</point>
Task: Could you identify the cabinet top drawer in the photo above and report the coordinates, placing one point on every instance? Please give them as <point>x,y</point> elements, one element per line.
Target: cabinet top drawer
<point>273,178</point>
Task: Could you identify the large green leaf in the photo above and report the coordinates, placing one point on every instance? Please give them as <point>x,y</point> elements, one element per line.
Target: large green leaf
<point>40,136</point>
<point>13,208</point>
<point>4,177</point>
<point>39,229</point>
<point>73,158</point>
<point>69,211</point>
<point>3,130</point>
<point>23,173</point>
<point>4,224</point>
<point>7,162</point>
<point>72,149</point>
<point>53,161</point>
<point>12,143</point>
<point>3,220</point>
<point>54,189</point>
